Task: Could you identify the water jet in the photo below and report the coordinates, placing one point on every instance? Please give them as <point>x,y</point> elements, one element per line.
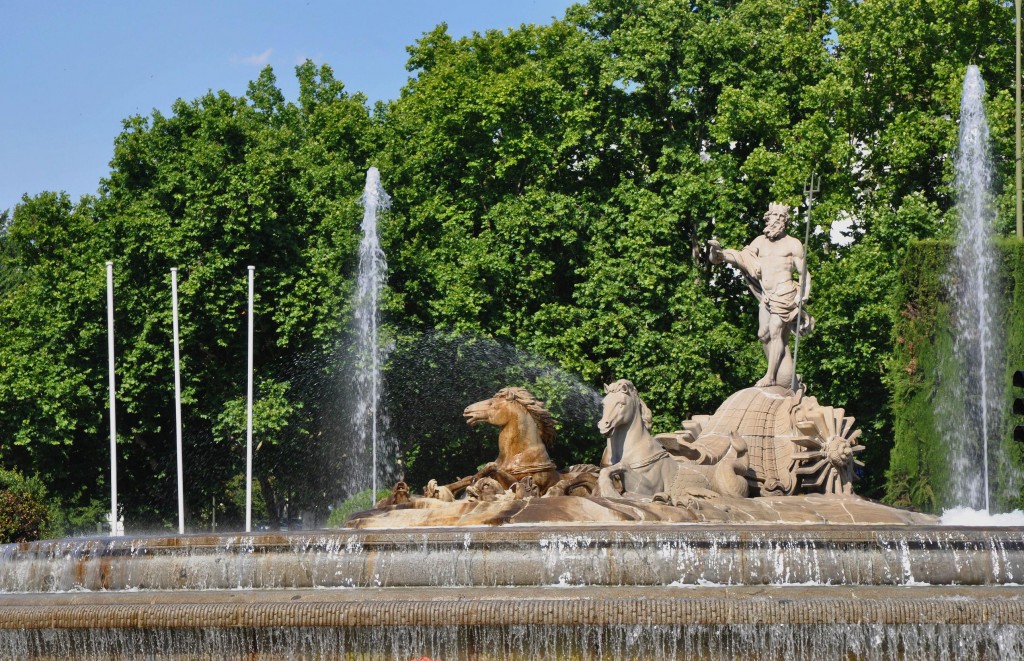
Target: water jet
<point>970,400</point>
<point>369,419</point>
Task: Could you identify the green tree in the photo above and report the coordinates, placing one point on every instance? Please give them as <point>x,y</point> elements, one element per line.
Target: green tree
<point>555,185</point>
<point>53,349</point>
<point>222,183</point>
<point>26,513</point>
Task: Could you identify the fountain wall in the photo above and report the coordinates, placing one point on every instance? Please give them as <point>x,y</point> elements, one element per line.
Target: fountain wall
<point>618,591</point>
<point>530,624</point>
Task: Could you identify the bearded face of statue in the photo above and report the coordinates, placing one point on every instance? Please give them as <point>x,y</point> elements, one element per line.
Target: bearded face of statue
<point>775,224</point>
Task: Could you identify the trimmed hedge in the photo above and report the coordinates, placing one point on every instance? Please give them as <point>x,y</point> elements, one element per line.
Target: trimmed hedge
<point>922,338</point>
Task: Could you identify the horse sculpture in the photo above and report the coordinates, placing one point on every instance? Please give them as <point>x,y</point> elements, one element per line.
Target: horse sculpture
<point>527,431</point>
<point>641,467</point>
<point>637,463</point>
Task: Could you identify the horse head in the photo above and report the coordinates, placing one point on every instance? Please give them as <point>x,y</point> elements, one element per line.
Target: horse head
<point>508,405</point>
<point>620,406</point>
<point>496,411</point>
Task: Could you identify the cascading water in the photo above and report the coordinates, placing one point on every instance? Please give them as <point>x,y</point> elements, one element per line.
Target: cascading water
<point>523,592</point>
<point>369,421</point>
<point>969,412</point>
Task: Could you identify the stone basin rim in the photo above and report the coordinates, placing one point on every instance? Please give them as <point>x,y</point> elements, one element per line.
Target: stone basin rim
<point>360,607</point>
<point>596,536</point>
<point>520,532</point>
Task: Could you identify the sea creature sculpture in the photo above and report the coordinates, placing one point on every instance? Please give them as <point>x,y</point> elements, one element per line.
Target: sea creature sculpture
<point>639,466</point>
<point>527,431</point>
<point>663,468</point>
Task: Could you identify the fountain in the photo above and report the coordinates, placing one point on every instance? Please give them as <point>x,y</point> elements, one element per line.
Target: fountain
<point>369,421</point>
<point>737,535</point>
<point>610,591</point>
<point>971,400</point>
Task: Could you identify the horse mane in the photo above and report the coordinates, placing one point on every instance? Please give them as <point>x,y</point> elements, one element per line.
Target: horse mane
<point>622,385</point>
<point>535,407</point>
<point>626,386</point>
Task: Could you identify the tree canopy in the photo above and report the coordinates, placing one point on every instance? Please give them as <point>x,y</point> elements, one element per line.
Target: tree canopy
<point>554,188</point>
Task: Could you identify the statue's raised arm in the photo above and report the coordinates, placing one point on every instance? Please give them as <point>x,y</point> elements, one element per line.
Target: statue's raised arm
<point>746,260</point>
<point>768,264</point>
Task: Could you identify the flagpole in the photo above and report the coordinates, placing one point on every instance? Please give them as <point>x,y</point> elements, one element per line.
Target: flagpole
<point>112,386</point>
<point>248,416</point>
<point>1017,159</point>
<point>177,401</point>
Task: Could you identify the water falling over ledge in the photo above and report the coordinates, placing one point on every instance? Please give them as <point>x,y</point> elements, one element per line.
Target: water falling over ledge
<point>761,623</point>
<point>524,556</point>
<point>608,592</point>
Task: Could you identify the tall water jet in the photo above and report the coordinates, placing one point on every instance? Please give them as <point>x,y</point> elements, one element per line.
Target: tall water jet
<point>369,421</point>
<point>972,378</point>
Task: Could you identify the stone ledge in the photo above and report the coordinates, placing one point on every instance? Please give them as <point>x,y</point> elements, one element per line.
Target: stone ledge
<point>568,510</point>
<point>602,606</point>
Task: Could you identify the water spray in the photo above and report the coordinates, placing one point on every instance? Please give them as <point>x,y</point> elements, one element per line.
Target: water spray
<point>372,276</point>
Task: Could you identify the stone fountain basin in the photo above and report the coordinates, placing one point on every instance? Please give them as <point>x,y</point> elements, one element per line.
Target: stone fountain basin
<point>572,510</point>
<point>789,605</point>
<point>617,590</point>
<point>525,555</point>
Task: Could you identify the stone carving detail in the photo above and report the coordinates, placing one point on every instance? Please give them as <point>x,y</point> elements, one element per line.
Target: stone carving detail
<point>768,440</point>
<point>641,467</point>
<point>442,493</point>
<point>829,444</point>
<point>794,444</point>
<point>768,264</point>
<point>523,467</point>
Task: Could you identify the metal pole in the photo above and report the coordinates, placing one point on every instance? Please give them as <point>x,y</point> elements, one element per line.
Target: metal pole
<point>113,414</point>
<point>177,401</point>
<point>248,414</point>
<point>1016,87</point>
<point>810,188</point>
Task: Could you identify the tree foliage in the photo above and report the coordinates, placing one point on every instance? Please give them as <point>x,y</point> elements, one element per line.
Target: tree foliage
<point>554,188</point>
<point>220,184</point>
<point>26,513</point>
<point>920,376</point>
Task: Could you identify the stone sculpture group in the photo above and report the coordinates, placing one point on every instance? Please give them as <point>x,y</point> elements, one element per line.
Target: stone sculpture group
<point>768,440</point>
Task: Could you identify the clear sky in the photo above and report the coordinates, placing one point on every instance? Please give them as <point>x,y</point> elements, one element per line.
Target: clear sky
<point>71,71</point>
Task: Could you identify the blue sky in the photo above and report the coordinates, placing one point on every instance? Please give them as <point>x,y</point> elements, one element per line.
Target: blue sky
<point>72,71</point>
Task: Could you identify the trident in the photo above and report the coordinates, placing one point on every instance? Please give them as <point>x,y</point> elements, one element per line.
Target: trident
<point>811,187</point>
